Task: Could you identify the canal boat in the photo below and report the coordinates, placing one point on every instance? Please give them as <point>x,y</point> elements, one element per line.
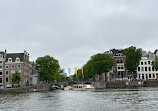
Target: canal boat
<point>83,87</point>
<point>53,87</point>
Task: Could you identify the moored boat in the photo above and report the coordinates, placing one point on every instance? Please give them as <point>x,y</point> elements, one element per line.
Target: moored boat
<point>83,87</point>
<point>53,87</point>
<point>68,88</point>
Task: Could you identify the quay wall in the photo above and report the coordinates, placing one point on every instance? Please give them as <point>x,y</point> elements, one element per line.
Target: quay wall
<point>118,84</point>
<point>43,87</point>
<point>151,84</point>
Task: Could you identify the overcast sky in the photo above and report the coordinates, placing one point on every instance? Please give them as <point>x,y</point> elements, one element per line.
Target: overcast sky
<point>73,30</point>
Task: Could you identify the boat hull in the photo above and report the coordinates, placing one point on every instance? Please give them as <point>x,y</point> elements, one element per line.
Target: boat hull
<point>83,89</point>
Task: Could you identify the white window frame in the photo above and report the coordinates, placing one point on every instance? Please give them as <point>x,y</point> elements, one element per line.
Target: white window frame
<point>9,59</point>
<point>18,65</point>
<point>8,79</point>
<point>12,71</point>
<point>2,73</point>
<point>2,80</point>
<point>6,65</point>
<point>17,59</point>
<point>12,67</point>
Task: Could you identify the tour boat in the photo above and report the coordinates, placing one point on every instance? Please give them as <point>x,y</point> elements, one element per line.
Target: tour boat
<point>83,87</point>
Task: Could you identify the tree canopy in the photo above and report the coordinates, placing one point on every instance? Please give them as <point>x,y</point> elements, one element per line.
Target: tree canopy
<point>133,57</point>
<point>98,64</point>
<point>16,78</point>
<point>48,68</point>
<point>155,63</point>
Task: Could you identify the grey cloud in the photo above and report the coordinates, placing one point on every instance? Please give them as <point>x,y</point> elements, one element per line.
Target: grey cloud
<point>74,30</point>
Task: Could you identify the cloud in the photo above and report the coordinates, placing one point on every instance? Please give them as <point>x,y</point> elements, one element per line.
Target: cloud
<point>73,30</point>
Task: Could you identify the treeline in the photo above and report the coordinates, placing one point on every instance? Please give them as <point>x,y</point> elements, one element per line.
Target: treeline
<point>49,69</point>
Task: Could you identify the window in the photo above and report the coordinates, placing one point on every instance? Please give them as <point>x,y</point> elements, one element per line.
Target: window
<point>19,71</point>
<point>149,75</point>
<point>6,66</point>
<point>7,79</point>
<point>13,66</point>
<point>138,68</point>
<point>149,62</point>
<point>19,66</point>
<point>9,59</point>
<point>119,75</point>
<point>149,68</point>
<point>142,68</point>
<point>118,61</point>
<point>139,76</point>
<point>122,74</point>
<point>146,76</point>
<point>121,61</point>
<point>12,71</point>
<point>1,56</point>
<point>17,59</point>
<point>142,76</point>
<point>141,63</point>
<point>0,73</point>
<point>1,62</point>
<point>145,68</point>
<point>145,63</point>
<point>0,80</point>
<point>154,76</point>
<point>0,67</point>
<point>7,72</point>
<point>152,68</point>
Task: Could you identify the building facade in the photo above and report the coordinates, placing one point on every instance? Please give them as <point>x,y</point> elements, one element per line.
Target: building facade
<point>15,62</point>
<point>145,71</point>
<point>119,69</point>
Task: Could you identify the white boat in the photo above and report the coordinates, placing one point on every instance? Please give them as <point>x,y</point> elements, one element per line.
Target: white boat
<point>83,87</point>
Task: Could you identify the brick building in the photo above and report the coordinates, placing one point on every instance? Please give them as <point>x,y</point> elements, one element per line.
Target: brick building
<point>12,62</point>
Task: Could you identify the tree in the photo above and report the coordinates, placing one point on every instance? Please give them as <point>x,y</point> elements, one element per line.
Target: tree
<point>98,64</point>
<point>133,57</point>
<point>155,63</point>
<point>79,74</point>
<point>16,78</point>
<point>48,68</point>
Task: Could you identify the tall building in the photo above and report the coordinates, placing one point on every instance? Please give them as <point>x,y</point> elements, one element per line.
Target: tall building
<point>12,62</point>
<point>119,70</point>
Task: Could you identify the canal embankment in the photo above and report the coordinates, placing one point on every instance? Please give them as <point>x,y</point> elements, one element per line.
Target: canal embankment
<point>42,87</point>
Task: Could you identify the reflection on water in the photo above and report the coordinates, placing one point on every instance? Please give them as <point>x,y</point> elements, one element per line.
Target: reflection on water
<point>109,100</point>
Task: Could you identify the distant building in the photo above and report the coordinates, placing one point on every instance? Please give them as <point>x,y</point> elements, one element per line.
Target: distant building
<point>12,62</point>
<point>145,71</point>
<point>119,70</point>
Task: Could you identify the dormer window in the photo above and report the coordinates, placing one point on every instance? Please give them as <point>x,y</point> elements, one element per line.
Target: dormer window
<point>1,56</point>
<point>17,59</point>
<point>9,59</point>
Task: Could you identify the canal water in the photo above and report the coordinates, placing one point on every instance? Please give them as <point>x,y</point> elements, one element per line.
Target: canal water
<point>142,99</point>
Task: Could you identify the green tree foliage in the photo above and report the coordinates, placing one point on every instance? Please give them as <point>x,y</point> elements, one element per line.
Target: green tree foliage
<point>155,63</point>
<point>98,64</point>
<point>48,68</point>
<point>133,57</point>
<point>16,78</point>
<point>79,74</point>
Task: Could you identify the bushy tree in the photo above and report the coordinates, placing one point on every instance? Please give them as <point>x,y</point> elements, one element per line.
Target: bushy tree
<point>48,68</point>
<point>133,57</point>
<point>16,78</point>
<point>155,63</point>
<point>98,64</point>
